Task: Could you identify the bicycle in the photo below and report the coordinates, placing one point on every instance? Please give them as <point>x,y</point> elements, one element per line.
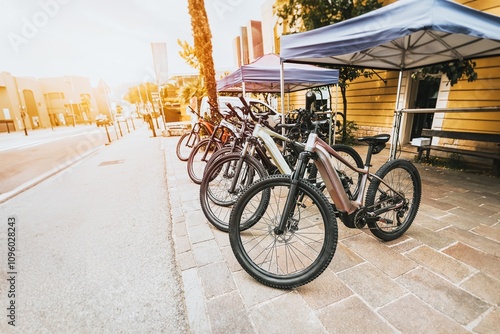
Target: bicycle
<point>226,178</point>
<point>190,139</point>
<point>283,230</point>
<point>201,153</point>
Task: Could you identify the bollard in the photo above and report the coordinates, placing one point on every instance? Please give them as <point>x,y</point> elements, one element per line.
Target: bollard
<point>120,128</point>
<point>152,126</point>
<point>126,122</point>
<point>107,132</point>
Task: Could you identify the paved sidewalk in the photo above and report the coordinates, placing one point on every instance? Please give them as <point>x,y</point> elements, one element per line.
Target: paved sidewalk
<point>442,276</point>
<point>93,247</point>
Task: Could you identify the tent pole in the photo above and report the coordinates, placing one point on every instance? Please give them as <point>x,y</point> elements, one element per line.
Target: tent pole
<point>396,122</point>
<point>282,88</point>
<point>243,88</point>
<point>336,108</point>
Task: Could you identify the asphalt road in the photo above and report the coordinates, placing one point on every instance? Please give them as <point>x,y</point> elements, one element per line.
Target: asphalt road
<point>24,158</point>
<point>93,246</point>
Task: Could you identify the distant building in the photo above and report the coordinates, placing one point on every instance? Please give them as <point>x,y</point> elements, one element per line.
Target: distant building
<point>48,102</point>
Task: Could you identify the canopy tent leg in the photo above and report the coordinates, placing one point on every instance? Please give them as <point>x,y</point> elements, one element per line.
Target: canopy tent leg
<point>282,83</point>
<point>397,121</point>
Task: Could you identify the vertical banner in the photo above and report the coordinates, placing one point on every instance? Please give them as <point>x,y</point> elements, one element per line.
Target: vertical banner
<point>160,61</point>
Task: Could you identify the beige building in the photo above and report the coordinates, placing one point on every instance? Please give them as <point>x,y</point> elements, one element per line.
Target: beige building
<point>48,102</point>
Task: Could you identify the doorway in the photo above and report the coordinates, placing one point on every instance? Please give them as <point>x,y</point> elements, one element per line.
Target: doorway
<point>31,108</point>
<point>426,98</point>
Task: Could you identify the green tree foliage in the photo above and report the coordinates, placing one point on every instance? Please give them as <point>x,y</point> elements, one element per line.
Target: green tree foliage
<point>203,47</point>
<point>303,15</point>
<point>454,70</point>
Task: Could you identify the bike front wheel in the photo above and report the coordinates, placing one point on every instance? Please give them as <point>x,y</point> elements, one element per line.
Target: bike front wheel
<point>216,196</point>
<point>394,197</point>
<point>185,145</point>
<point>199,157</point>
<point>299,254</point>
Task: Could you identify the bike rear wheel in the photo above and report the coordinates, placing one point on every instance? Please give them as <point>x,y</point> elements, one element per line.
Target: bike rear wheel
<point>403,177</point>
<point>185,145</point>
<point>295,257</point>
<point>215,197</point>
<point>199,157</point>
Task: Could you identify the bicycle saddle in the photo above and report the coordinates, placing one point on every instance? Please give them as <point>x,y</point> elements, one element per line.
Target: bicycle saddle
<point>377,142</point>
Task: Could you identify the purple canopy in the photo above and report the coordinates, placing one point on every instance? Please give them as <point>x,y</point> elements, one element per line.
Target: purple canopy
<point>263,76</point>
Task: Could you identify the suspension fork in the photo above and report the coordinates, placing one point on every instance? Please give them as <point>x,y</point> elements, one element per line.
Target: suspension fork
<point>237,169</point>
<point>293,193</point>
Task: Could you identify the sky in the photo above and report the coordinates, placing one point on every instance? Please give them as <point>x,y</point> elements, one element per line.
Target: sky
<point>111,39</point>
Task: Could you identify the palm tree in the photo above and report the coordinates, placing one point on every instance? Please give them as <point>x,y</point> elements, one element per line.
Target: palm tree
<point>203,46</point>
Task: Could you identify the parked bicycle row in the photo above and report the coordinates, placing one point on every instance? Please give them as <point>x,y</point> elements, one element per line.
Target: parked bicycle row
<point>279,190</point>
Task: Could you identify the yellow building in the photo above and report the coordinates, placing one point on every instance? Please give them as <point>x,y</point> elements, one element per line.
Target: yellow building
<point>372,101</point>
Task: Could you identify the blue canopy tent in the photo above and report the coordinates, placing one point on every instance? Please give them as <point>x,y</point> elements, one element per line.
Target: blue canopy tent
<point>263,76</point>
<point>404,35</point>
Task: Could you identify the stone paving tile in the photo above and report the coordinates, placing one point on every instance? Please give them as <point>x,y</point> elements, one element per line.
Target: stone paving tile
<point>191,205</point>
<point>351,315</point>
<point>371,284</point>
<point>421,319</point>
<point>484,287</point>
<point>489,325</point>
<point>459,221</point>
<point>406,245</point>
<point>179,229</point>
<point>324,290</point>
<point>443,296</point>
<point>431,211</point>
<point>186,260</point>
<point>428,237</point>
<point>222,238</point>
<point>253,292</point>
<point>492,233</point>
<point>216,279</point>
<point>182,244</point>
<point>195,302</point>
<point>472,239</point>
<point>431,223</point>
<point>235,320</point>
<point>344,258</point>
<point>199,233</point>
<point>484,262</point>
<point>207,252</point>
<point>377,253</point>
<point>345,232</point>
<point>444,265</point>
<point>195,217</point>
<point>287,314</point>
<point>231,261</point>
<point>191,193</point>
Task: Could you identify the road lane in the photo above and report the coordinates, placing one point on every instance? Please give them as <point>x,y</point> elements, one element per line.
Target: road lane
<point>26,159</point>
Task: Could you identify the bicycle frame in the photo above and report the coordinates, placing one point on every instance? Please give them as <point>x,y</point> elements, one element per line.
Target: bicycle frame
<point>266,136</point>
<point>347,208</point>
<point>330,176</point>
